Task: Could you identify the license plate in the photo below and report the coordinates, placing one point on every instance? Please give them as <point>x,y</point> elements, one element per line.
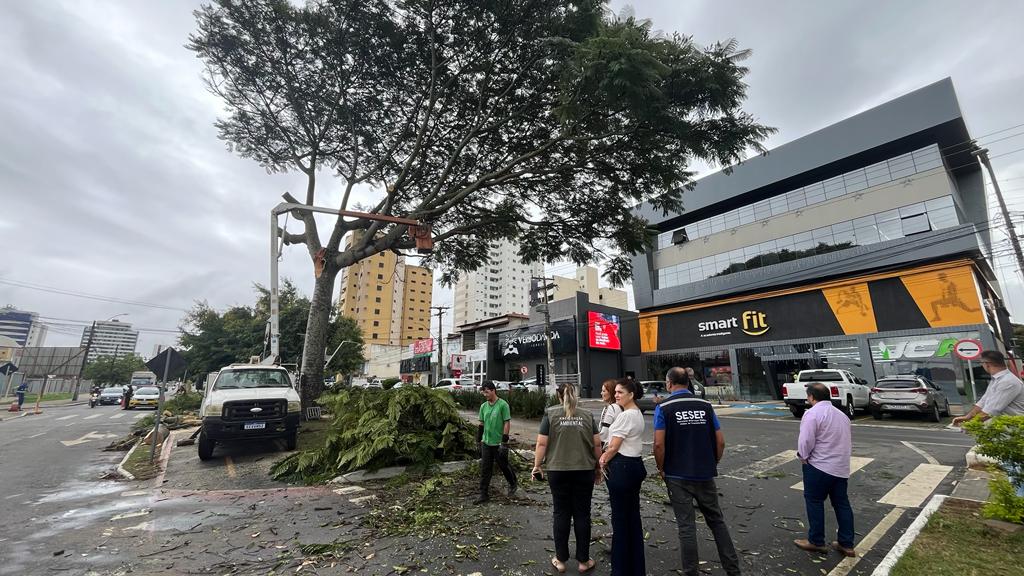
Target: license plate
<point>255,425</point>
<point>898,407</point>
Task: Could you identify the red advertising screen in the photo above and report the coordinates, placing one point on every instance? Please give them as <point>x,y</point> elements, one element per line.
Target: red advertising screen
<point>604,331</point>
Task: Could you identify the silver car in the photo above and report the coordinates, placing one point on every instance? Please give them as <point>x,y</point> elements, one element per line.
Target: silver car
<point>909,394</point>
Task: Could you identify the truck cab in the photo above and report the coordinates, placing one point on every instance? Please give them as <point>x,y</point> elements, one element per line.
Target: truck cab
<point>249,401</point>
<point>848,392</point>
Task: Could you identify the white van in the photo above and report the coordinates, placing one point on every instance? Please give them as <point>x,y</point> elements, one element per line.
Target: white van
<point>249,401</point>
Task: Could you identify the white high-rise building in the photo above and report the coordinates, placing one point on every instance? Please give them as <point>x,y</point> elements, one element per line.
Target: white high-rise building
<point>22,327</point>
<point>111,338</point>
<point>499,287</point>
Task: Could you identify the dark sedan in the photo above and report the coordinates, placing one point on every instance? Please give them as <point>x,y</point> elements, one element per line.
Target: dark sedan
<point>111,395</point>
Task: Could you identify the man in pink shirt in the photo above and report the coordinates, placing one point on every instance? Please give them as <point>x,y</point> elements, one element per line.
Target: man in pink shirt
<point>824,449</point>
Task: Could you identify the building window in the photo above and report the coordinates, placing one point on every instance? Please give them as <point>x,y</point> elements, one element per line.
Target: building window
<point>376,310</point>
<point>380,276</point>
<point>377,299</point>
<point>376,323</point>
<point>374,336</point>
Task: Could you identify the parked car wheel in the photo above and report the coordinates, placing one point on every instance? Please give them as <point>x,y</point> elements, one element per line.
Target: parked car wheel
<point>946,411</point>
<point>934,416</point>
<point>291,440</point>
<point>797,412</point>
<point>205,446</point>
<point>876,414</point>
<point>851,410</point>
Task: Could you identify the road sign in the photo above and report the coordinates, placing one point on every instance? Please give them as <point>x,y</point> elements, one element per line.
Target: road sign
<point>159,363</point>
<point>524,370</point>
<point>967,349</point>
<point>8,368</point>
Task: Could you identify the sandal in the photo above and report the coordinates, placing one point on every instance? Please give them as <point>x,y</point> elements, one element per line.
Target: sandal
<point>587,566</point>
<point>560,566</point>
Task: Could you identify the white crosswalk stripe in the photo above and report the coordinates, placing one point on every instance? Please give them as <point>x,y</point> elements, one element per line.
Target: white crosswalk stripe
<point>66,417</point>
<point>762,466</point>
<point>93,416</point>
<point>137,416</point>
<point>116,416</point>
<point>915,487</point>
<point>856,463</point>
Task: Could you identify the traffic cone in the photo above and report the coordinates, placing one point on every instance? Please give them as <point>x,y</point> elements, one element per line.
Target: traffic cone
<point>14,407</point>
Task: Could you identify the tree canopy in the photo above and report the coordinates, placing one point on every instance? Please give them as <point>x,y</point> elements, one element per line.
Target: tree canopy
<point>111,371</point>
<point>214,339</point>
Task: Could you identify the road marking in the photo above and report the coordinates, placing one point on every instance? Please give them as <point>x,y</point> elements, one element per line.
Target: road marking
<point>868,542</point>
<point>856,463</point>
<point>762,466</point>
<point>93,416</point>
<point>886,565</point>
<point>116,416</point>
<point>13,496</point>
<point>928,457</point>
<point>231,467</point>
<point>915,487</point>
<point>941,444</point>
<point>88,437</point>
<point>66,417</point>
<point>37,435</point>
<point>137,416</point>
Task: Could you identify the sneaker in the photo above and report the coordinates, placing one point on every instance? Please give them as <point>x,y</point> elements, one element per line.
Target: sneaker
<point>481,500</point>
<point>512,489</point>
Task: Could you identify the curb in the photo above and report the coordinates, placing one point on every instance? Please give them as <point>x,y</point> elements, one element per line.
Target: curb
<point>974,459</point>
<point>22,415</point>
<point>120,467</point>
<point>903,544</point>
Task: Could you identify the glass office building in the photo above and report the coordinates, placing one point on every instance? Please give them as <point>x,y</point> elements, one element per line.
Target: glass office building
<point>862,246</point>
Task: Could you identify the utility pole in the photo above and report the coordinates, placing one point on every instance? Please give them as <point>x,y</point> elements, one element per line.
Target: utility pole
<point>547,332</point>
<point>440,340</point>
<point>982,154</point>
<point>81,371</point>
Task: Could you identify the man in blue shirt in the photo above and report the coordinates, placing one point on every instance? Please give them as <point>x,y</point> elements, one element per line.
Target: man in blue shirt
<point>688,444</point>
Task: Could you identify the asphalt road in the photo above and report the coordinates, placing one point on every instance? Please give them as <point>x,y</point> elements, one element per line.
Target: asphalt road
<point>226,513</point>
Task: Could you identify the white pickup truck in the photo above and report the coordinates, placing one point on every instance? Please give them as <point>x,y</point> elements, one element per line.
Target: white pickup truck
<point>848,392</point>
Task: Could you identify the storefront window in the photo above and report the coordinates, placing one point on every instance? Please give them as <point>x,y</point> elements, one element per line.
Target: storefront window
<point>931,356</point>
<point>710,368</point>
<point>763,370</point>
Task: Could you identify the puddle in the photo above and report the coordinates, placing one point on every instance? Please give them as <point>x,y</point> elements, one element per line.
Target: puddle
<point>81,491</point>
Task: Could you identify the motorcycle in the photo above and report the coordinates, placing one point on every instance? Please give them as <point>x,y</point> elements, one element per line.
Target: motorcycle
<point>94,399</point>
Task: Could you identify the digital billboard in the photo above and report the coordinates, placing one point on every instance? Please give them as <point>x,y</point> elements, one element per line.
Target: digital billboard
<point>604,331</point>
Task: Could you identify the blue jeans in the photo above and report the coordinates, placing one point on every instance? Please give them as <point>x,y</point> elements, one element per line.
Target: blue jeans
<point>817,486</point>
<point>625,475</point>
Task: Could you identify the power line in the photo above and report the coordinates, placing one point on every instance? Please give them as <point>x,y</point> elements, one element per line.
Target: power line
<point>111,299</point>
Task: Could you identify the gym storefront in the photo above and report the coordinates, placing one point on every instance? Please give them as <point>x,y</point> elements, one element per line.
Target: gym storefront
<point>899,322</point>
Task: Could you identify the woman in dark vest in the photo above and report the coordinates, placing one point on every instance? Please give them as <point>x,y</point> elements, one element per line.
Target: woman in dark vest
<point>568,447</point>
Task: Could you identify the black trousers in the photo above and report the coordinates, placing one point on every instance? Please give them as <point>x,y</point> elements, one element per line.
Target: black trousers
<point>683,493</point>
<point>488,456</point>
<point>571,494</point>
<point>625,476</point>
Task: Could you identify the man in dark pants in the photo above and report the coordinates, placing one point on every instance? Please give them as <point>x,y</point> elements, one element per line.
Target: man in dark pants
<point>492,434</point>
<point>824,449</point>
<point>688,444</point>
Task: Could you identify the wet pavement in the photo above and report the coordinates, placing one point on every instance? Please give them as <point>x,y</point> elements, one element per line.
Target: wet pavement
<point>227,516</point>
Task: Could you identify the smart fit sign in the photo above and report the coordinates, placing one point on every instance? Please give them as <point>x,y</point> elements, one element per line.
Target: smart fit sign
<point>754,324</point>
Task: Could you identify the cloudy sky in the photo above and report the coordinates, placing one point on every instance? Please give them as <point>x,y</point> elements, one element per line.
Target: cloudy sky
<point>113,184</point>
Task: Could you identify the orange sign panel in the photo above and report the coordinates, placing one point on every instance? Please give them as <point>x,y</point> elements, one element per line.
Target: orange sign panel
<point>946,297</point>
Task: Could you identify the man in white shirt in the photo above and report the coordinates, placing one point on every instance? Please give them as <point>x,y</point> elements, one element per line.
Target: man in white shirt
<point>1005,394</point>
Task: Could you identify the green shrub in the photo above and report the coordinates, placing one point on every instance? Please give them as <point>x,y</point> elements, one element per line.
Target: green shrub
<point>144,424</point>
<point>184,402</point>
<point>1002,438</point>
<point>521,403</point>
<point>412,426</point>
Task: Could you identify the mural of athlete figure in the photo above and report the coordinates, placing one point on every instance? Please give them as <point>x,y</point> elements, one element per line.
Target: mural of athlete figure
<point>950,298</point>
<point>851,298</point>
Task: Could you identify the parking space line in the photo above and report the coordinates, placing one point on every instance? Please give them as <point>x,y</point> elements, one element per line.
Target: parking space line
<point>93,416</point>
<point>928,457</point>
<point>69,416</point>
<point>868,542</point>
<point>231,467</point>
<point>856,463</point>
<point>915,487</point>
<point>762,466</point>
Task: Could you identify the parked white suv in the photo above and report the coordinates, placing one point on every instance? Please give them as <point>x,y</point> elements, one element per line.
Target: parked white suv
<point>249,401</point>
<point>848,393</point>
<point>456,385</point>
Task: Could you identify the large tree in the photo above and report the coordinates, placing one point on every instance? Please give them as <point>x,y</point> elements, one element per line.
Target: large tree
<point>111,371</point>
<point>540,121</point>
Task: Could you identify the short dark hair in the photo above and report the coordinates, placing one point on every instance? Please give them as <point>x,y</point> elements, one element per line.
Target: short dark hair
<point>994,357</point>
<point>631,386</point>
<point>678,377</point>
<point>488,385</point>
<point>819,392</point>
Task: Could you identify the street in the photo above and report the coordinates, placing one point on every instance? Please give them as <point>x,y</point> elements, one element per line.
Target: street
<point>216,515</point>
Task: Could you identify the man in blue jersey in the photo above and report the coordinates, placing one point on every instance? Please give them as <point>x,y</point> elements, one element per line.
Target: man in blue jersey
<point>688,444</point>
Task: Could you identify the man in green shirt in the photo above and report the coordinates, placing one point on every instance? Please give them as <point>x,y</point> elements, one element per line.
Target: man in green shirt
<point>492,434</point>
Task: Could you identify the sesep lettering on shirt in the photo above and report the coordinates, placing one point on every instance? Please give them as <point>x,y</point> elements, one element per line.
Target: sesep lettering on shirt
<point>684,417</point>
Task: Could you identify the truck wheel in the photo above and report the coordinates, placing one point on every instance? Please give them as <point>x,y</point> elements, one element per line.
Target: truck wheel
<point>851,410</point>
<point>291,440</point>
<point>797,412</point>
<point>934,416</point>
<point>205,446</point>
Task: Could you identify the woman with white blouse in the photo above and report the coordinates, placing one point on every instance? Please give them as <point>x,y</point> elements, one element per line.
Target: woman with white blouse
<point>610,412</point>
<point>624,472</point>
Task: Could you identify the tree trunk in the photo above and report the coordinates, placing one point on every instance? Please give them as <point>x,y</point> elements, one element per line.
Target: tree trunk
<point>312,371</point>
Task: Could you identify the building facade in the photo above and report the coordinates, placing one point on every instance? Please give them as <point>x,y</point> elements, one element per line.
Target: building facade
<point>584,280</point>
<point>499,287</point>
<point>110,338</point>
<point>389,299</point>
<point>22,327</point>
<point>861,246</point>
